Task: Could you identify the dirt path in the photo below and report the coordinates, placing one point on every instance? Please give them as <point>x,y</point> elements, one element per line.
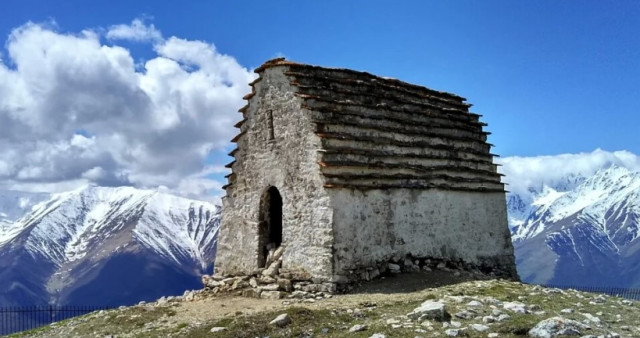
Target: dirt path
<point>391,289</point>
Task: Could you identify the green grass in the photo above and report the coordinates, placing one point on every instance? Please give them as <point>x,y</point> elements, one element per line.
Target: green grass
<point>335,322</point>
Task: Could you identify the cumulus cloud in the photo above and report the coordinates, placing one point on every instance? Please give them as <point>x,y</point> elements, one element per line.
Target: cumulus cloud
<point>525,173</point>
<point>74,110</point>
<point>136,31</point>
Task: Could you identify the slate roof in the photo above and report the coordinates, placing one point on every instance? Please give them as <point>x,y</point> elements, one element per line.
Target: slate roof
<point>382,133</point>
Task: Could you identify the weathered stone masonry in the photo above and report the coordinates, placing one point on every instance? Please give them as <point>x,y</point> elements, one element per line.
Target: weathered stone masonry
<point>368,169</point>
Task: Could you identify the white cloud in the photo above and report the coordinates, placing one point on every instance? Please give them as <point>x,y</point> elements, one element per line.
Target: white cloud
<point>523,173</point>
<point>136,31</point>
<point>74,110</point>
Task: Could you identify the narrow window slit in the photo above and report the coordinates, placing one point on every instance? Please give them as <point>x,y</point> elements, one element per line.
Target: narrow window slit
<point>271,132</point>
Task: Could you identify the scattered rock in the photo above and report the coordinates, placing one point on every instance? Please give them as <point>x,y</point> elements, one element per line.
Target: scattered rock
<point>591,318</point>
<point>162,301</point>
<point>479,327</point>
<point>475,303</point>
<point>358,328</point>
<point>503,317</point>
<point>218,329</point>
<point>430,310</point>
<point>456,332</point>
<point>281,321</point>
<point>465,315</point>
<point>516,307</point>
<point>378,335</point>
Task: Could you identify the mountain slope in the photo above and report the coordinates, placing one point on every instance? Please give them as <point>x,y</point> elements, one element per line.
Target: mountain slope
<point>107,246</point>
<point>583,233</point>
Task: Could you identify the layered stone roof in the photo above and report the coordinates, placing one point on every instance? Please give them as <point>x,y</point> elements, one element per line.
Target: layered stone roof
<point>380,133</point>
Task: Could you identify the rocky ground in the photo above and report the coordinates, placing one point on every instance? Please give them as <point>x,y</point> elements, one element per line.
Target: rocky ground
<point>405,305</point>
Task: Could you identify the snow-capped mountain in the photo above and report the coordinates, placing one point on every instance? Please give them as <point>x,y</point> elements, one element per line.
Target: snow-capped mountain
<point>100,245</point>
<point>580,231</point>
<point>14,204</point>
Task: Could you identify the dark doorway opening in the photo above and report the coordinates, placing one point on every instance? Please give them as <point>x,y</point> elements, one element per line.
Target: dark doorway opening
<point>270,232</point>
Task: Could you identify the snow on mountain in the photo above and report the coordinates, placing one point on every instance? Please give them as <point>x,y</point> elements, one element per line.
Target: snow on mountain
<point>13,205</point>
<point>75,237</point>
<point>580,230</point>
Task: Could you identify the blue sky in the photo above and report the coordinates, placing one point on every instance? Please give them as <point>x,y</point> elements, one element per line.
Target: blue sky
<point>549,77</point>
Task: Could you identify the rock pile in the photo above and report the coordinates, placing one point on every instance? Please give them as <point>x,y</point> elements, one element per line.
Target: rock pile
<point>273,282</point>
<point>276,282</point>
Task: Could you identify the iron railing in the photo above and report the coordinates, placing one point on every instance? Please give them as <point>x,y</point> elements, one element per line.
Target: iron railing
<point>21,318</point>
<point>628,293</point>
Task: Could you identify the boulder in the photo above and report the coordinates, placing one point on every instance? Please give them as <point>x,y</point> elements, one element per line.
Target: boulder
<point>358,328</point>
<point>516,307</point>
<point>456,332</point>
<point>465,315</point>
<point>394,268</point>
<point>266,280</point>
<point>251,293</point>
<point>281,321</point>
<point>269,287</point>
<point>278,253</point>
<point>271,295</point>
<point>285,285</point>
<point>430,310</point>
<point>479,327</point>
<point>272,270</point>
<point>556,326</point>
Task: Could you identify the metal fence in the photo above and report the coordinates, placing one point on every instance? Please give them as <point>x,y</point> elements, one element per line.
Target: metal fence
<point>20,318</point>
<point>627,293</point>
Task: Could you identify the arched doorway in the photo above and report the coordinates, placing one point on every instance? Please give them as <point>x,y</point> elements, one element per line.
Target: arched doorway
<point>270,226</point>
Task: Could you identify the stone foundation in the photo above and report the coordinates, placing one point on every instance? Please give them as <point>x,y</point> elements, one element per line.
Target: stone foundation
<point>275,282</point>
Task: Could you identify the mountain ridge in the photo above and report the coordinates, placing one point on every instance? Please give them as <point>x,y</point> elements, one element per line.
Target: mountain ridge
<point>587,232</point>
<point>69,241</point>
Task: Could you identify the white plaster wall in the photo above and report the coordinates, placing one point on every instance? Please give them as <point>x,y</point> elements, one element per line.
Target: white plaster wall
<point>375,225</point>
<point>290,164</point>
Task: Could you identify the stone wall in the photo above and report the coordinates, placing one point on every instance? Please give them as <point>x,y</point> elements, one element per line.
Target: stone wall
<point>285,158</point>
<point>375,227</point>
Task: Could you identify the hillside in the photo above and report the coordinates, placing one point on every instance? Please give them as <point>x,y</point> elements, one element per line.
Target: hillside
<point>103,246</point>
<point>488,308</point>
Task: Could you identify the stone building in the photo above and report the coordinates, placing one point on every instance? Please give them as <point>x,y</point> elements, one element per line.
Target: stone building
<point>348,171</point>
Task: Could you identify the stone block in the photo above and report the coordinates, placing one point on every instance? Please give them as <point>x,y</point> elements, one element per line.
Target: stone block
<point>251,293</point>
<point>271,295</point>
